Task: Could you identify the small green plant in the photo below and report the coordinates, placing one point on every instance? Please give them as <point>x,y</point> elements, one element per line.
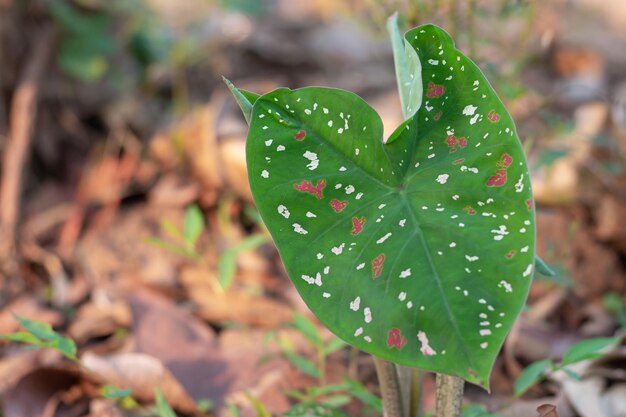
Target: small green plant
<point>162,406</point>
<point>42,336</point>
<point>324,398</point>
<point>476,410</point>
<point>418,248</point>
<point>327,399</point>
<point>315,369</point>
<point>614,304</point>
<point>184,240</point>
<point>227,262</point>
<point>581,351</point>
<point>121,396</point>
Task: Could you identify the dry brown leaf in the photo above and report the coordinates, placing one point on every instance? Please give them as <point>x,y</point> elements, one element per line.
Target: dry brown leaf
<point>173,191</point>
<point>38,393</point>
<point>547,410</point>
<point>157,322</point>
<point>96,319</point>
<point>142,374</point>
<point>526,408</point>
<point>14,367</point>
<point>102,407</point>
<point>243,309</point>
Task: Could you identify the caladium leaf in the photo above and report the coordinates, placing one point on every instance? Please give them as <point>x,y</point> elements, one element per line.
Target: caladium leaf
<point>419,250</point>
<point>408,70</point>
<point>244,99</point>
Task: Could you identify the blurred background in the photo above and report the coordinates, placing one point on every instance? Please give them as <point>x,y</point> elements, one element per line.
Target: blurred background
<point>127,224</point>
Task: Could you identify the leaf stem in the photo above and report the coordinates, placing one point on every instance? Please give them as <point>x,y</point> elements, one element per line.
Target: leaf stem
<point>449,396</point>
<point>389,388</point>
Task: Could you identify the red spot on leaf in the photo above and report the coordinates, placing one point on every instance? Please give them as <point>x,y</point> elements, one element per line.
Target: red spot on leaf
<point>469,210</point>
<point>438,115</point>
<point>452,150</point>
<point>306,187</point>
<point>451,140</point>
<point>510,254</point>
<point>300,135</point>
<point>505,161</point>
<point>435,90</point>
<point>493,116</point>
<point>497,180</point>
<point>395,339</point>
<point>529,204</point>
<point>338,205</point>
<point>462,142</point>
<point>458,161</point>
<point>357,225</point>
<point>377,265</point>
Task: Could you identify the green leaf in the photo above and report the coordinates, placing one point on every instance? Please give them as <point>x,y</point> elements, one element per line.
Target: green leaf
<point>531,375</point>
<point>113,392</point>
<point>543,268</point>
<point>587,349</point>
<point>313,410</point>
<point>205,405</point>
<point>408,70</point>
<point>233,410</point>
<point>336,401</point>
<point>162,406</point>
<point>47,337</point>
<point>244,99</point>
<point>574,375</point>
<point>22,337</point>
<point>327,389</point>
<point>170,247</point>
<point>227,263</point>
<point>260,409</point>
<point>193,225</point>
<point>307,328</point>
<point>334,345</point>
<point>304,365</point>
<point>421,250</point>
<point>476,410</point>
<point>366,397</point>
<point>171,230</point>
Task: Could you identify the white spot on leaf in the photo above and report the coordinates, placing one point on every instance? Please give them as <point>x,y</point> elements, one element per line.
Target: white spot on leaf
<point>282,210</point>
<point>469,110</point>
<point>425,348</point>
<point>368,315</point>
<point>355,305</point>
<point>406,273</point>
<point>311,156</point>
<point>442,178</point>
<point>382,239</point>
<point>299,229</point>
<point>338,249</point>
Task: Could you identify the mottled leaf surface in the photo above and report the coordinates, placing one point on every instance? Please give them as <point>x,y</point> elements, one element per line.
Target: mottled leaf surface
<point>420,250</point>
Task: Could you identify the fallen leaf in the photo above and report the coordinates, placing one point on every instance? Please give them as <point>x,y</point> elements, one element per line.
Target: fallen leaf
<point>37,394</point>
<point>142,374</point>
<point>547,410</point>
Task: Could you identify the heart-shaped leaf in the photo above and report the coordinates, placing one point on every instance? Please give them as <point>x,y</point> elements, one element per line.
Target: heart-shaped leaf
<point>420,250</point>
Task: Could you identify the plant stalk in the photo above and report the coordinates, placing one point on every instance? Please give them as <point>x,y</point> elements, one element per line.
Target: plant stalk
<point>389,388</point>
<point>449,396</point>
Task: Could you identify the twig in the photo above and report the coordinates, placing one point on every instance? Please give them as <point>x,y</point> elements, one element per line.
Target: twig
<point>389,388</point>
<point>21,119</point>
<point>449,396</point>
